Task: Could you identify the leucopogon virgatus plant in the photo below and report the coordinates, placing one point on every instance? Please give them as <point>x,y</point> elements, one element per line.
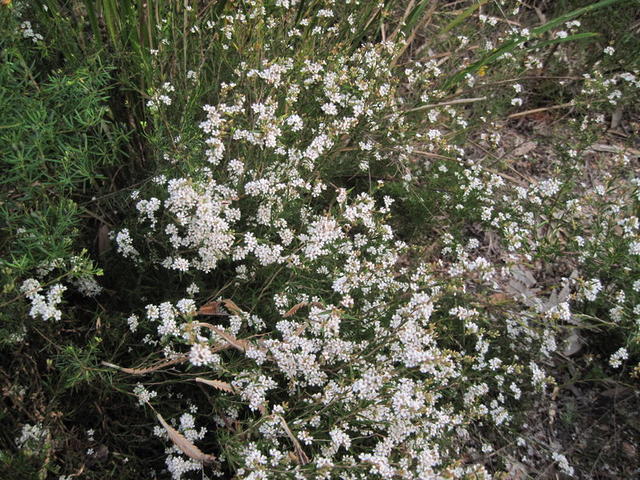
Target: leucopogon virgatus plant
<point>331,352</point>
<point>346,374</point>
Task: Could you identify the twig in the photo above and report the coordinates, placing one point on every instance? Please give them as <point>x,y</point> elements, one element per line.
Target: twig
<point>538,110</point>
<point>143,371</point>
<point>598,147</point>
<point>444,104</point>
<point>302,457</point>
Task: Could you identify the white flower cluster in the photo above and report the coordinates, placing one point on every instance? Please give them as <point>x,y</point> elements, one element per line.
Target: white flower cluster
<point>616,359</point>
<point>43,306</point>
<point>88,286</point>
<point>27,32</point>
<point>32,436</point>
<point>161,96</point>
<point>201,354</point>
<point>563,463</point>
<point>178,465</point>
<point>125,244</point>
<point>591,289</point>
<point>144,395</point>
<point>253,388</point>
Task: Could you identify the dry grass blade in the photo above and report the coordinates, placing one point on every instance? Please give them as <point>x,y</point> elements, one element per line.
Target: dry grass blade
<point>143,371</point>
<point>301,456</point>
<point>219,384</point>
<point>233,341</point>
<point>401,24</point>
<point>188,448</point>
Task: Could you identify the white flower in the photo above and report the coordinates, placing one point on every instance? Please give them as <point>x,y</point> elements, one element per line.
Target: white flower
<point>132,321</point>
<point>32,436</point>
<point>616,359</point>
<point>591,289</point>
<point>144,395</point>
<point>41,306</point>
<point>125,244</point>
<point>329,109</point>
<point>201,354</point>
<point>295,122</point>
<point>563,463</point>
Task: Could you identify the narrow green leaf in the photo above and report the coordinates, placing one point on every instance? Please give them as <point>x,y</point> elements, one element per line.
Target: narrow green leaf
<point>93,20</point>
<point>414,17</point>
<point>512,44</point>
<point>568,16</point>
<point>570,38</point>
<point>461,17</point>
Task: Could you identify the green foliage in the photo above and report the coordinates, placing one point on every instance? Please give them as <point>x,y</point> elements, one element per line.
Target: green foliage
<point>56,143</point>
<point>78,365</point>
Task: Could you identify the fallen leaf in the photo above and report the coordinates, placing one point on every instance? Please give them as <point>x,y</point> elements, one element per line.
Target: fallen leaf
<point>219,384</point>
<point>293,310</point>
<point>103,239</point>
<point>629,450</point>
<point>572,344</point>
<point>211,308</point>
<point>188,448</point>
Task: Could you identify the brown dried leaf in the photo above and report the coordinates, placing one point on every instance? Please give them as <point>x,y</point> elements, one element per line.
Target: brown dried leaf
<point>616,117</point>
<point>498,299</point>
<point>219,384</point>
<point>230,304</point>
<point>300,329</point>
<point>103,239</point>
<point>188,448</point>
<point>233,341</point>
<point>524,148</point>
<point>293,310</point>
<point>572,344</point>
<point>211,308</point>
<point>629,450</point>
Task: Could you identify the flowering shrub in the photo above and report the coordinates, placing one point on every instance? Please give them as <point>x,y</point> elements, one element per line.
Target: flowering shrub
<point>330,266</point>
<point>345,364</point>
